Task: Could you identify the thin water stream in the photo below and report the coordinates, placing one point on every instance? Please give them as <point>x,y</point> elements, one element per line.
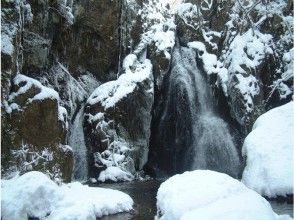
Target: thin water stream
<point>77,142</point>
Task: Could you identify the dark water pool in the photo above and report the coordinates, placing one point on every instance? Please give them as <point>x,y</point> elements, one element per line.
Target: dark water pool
<point>144,196</point>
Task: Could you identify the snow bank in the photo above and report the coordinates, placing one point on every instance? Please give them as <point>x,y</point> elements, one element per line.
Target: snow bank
<point>204,194</point>
<point>108,94</point>
<point>34,194</point>
<point>269,151</point>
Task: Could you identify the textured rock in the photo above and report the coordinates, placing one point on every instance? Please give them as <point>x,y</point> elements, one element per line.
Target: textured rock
<point>117,120</point>
<point>161,64</point>
<point>92,43</point>
<point>10,38</point>
<point>203,21</point>
<point>85,35</point>
<point>37,126</point>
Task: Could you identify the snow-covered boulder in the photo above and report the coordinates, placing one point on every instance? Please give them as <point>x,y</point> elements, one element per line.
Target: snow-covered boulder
<point>117,121</point>
<point>269,151</point>
<point>209,195</point>
<point>35,195</point>
<point>37,130</point>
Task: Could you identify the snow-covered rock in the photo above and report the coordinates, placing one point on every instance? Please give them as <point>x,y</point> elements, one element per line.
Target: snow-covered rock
<point>269,151</point>
<point>208,195</point>
<point>37,136</point>
<point>114,174</point>
<point>117,122</point>
<point>35,195</point>
<point>245,60</point>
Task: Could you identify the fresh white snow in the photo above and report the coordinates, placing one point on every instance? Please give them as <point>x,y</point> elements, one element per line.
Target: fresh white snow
<point>115,174</point>
<point>25,83</point>
<point>209,195</point>
<point>269,151</point>
<point>111,92</point>
<point>34,194</point>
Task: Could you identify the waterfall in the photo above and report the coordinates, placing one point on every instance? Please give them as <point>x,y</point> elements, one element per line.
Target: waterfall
<point>195,136</point>
<point>77,142</point>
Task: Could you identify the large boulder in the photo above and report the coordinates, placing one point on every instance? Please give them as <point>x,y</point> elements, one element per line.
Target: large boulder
<point>118,117</point>
<point>36,127</point>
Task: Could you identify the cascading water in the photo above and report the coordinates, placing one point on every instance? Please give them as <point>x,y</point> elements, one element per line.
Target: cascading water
<point>77,142</point>
<point>193,136</point>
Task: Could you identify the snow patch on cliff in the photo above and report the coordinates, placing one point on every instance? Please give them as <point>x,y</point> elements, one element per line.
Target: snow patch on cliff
<point>25,83</point>
<point>108,94</point>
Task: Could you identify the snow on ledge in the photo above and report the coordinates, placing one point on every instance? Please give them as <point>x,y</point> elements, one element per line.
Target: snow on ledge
<point>115,174</point>
<point>108,94</point>
<point>25,83</point>
<point>209,195</point>
<point>269,150</point>
<point>34,194</point>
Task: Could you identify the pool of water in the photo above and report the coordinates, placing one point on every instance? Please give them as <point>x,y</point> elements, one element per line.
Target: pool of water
<point>144,196</point>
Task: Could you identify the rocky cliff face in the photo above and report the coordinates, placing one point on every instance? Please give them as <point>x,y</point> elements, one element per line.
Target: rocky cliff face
<point>69,48</point>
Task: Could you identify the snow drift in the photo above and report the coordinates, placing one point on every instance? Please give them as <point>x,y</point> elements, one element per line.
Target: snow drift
<point>35,195</point>
<point>269,151</point>
<point>204,194</point>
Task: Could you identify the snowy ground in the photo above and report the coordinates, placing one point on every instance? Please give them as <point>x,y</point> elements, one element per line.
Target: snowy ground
<point>35,195</point>
<point>269,151</point>
<point>204,194</point>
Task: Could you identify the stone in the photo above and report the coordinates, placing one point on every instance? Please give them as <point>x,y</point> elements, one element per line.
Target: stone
<point>35,133</point>
<point>126,123</point>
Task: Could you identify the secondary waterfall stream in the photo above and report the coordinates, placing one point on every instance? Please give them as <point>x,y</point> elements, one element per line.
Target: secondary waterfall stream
<point>77,142</point>
<point>195,136</point>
